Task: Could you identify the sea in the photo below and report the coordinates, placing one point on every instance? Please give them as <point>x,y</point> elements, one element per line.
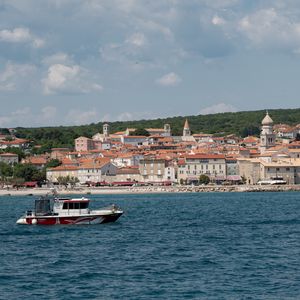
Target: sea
<point>165,246</point>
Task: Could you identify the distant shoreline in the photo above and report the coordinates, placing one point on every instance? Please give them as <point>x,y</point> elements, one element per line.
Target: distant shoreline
<point>150,190</point>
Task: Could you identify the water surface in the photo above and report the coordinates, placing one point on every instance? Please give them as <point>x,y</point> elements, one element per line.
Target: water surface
<point>166,246</point>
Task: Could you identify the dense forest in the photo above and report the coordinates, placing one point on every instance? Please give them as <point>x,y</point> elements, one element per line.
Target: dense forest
<point>240,123</point>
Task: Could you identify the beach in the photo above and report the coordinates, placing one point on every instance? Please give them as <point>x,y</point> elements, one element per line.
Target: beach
<point>149,190</point>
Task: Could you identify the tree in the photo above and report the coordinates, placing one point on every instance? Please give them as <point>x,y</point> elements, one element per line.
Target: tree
<point>53,163</point>
<point>204,179</point>
<point>63,180</point>
<point>26,171</point>
<point>6,170</point>
<point>66,180</point>
<point>140,131</point>
<point>73,180</point>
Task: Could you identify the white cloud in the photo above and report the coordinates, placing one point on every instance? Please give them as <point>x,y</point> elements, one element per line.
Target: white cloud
<point>218,108</point>
<point>170,79</point>
<point>79,117</point>
<point>68,79</point>
<point>137,39</point>
<point>129,116</point>
<point>270,28</point>
<point>48,113</point>
<point>16,118</point>
<point>21,35</point>
<point>216,20</point>
<point>14,74</point>
<point>26,117</point>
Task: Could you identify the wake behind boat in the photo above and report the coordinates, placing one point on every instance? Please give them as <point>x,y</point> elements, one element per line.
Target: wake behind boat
<point>68,211</point>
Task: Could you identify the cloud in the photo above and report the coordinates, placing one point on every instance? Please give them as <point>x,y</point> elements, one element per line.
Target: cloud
<point>15,75</point>
<point>170,79</point>
<point>137,40</point>
<point>218,108</point>
<point>68,79</point>
<point>79,117</point>
<point>270,28</point>
<point>19,117</point>
<point>216,20</point>
<point>57,58</point>
<point>21,35</point>
<point>129,116</point>
<point>48,113</point>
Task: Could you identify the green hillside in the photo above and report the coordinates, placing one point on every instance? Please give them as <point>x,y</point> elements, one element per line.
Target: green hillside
<point>240,123</point>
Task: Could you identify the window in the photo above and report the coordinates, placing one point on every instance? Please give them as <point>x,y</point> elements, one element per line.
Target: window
<point>84,205</point>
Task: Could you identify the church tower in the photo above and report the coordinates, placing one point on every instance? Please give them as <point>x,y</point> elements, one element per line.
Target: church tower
<point>186,128</point>
<point>105,130</point>
<point>267,135</point>
<point>167,130</point>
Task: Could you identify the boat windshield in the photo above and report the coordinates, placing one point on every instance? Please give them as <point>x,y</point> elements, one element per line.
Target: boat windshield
<point>42,207</point>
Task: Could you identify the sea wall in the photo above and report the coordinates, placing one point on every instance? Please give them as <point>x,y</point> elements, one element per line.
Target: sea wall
<point>154,189</point>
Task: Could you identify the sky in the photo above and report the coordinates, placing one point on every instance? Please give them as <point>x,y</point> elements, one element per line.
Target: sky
<point>74,62</point>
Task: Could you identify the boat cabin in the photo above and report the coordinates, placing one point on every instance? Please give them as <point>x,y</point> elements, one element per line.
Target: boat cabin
<point>68,206</point>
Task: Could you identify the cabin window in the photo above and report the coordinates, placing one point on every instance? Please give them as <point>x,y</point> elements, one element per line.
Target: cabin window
<point>75,205</point>
<point>84,205</point>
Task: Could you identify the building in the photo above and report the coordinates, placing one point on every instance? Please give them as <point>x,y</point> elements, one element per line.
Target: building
<point>133,140</point>
<point>256,169</point>
<point>9,158</point>
<point>128,174</point>
<point>267,135</point>
<point>83,143</point>
<point>96,171</point>
<point>192,166</point>
<point>152,169</point>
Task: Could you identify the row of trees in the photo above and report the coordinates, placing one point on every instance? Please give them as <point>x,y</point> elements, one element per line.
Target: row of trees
<point>17,174</point>
<point>239,123</point>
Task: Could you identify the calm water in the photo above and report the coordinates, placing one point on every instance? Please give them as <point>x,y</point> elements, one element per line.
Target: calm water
<point>168,246</point>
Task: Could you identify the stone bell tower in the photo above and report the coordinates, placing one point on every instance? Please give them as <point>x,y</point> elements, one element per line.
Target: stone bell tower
<point>186,129</point>
<point>267,135</point>
<point>105,130</point>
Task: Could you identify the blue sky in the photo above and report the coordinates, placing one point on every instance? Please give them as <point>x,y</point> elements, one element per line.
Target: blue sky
<point>71,62</point>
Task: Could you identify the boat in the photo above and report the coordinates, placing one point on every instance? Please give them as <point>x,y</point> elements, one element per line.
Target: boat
<point>68,211</point>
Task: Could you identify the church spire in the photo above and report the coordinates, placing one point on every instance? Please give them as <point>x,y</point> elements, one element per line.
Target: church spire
<point>186,128</point>
<point>186,124</point>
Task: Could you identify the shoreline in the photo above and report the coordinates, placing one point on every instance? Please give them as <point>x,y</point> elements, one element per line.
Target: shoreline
<point>150,190</point>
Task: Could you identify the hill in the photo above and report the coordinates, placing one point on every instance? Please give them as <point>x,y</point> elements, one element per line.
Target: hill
<point>241,123</point>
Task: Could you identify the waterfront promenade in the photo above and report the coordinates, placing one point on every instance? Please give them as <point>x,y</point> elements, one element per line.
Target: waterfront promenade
<point>153,189</point>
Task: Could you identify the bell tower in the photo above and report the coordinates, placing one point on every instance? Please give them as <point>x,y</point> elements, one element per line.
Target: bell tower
<point>186,129</point>
<point>167,130</point>
<point>267,135</point>
<point>105,130</point>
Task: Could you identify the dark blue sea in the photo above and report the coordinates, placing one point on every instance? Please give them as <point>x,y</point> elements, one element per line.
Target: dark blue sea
<point>165,246</point>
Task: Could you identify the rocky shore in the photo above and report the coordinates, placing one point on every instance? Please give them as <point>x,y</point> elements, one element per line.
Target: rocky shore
<point>152,189</point>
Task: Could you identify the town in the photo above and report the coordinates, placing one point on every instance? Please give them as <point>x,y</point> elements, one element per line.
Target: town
<point>160,159</point>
